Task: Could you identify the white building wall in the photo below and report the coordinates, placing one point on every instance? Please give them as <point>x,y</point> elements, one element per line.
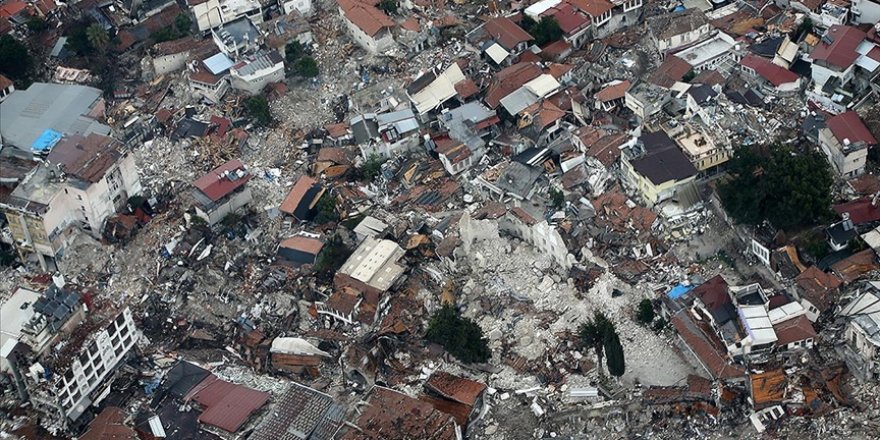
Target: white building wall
<point>164,65</point>
<point>254,84</point>
<point>303,6</point>
<point>865,11</point>
<point>372,44</point>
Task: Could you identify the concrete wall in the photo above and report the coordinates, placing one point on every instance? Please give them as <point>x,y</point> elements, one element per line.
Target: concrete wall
<point>254,84</point>
<point>846,165</point>
<point>170,63</point>
<point>235,202</point>
<point>372,44</point>
<point>822,74</point>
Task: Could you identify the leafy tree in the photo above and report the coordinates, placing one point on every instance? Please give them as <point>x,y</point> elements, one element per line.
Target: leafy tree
<point>775,184</point>
<point>293,51</point>
<point>15,62</point>
<point>460,336</point>
<point>388,6</point>
<point>372,167</point>
<point>306,67</point>
<point>545,31</point>
<point>78,40</point>
<point>164,34</point>
<point>36,24</point>
<point>557,198</point>
<point>659,325</point>
<point>332,257</point>
<point>645,314</point>
<point>326,209</point>
<point>183,23</point>
<point>594,332</point>
<point>97,37</point>
<point>689,76</point>
<point>614,354</point>
<point>258,109</point>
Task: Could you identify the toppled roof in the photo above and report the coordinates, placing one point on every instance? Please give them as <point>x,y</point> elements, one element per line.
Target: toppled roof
<point>816,286</point>
<point>838,46</point>
<point>773,73</point>
<point>455,151</point>
<point>374,263</point>
<point>671,70</point>
<point>302,243</point>
<point>544,113</point>
<point>794,330</point>
<point>853,267</point>
<point>391,414</point>
<point>181,379</point>
<point>713,293</point>
<point>768,388</point>
<point>506,33</point>
<point>365,15</point>
<point>109,425</point>
<point>697,389</point>
<point>613,206</point>
<point>301,413</point>
<point>848,125</point>
<point>666,26</point>
<point>302,198</point>
<point>455,388</point>
<point>87,158</point>
<point>227,405</point>
<point>860,211</point>
<point>700,341</point>
<point>223,180</point>
<point>613,91</point>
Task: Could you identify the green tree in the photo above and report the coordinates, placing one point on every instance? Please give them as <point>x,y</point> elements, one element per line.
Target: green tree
<point>557,198</point>
<point>77,39</point>
<point>258,109</point>
<point>326,209</point>
<point>306,67</point>
<point>372,167</point>
<point>545,31</point>
<point>776,184</point>
<point>460,336</point>
<point>645,313</point>
<point>332,257</point>
<point>594,332</point>
<point>97,37</point>
<point>183,23</point>
<point>36,24</point>
<point>15,62</point>
<point>614,354</point>
<point>388,6</point>
<point>164,34</point>
<point>293,51</point>
<point>689,76</point>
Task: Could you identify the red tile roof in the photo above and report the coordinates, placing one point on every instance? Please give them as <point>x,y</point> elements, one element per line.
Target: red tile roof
<point>508,80</point>
<point>10,9</point>
<point>466,88</point>
<point>294,197</point>
<point>223,180</point>
<point>5,82</point>
<point>853,267</point>
<point>593,7</point>
<point>109,425</point>
<point>544,113</point>
<point>455,388</point>
<point>227,405</point>
<point>86,157</point>
<point>394,415</point>
<point>612,92</point>
<point>842,50</point>
<point>305,244</point>
<point>699,341</point>
<point>570,19</point>
<point>713,293</point>
<point>776,75</point>
<point>672,69</point>
<point>794,330</point>
<point>860,211</point>
<point>606,149</point>
<point>365,15</point>
<point>848,125</point>
<point>506,33</point>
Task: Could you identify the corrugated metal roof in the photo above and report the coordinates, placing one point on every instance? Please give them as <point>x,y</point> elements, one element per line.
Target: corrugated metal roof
<point>218,63</point>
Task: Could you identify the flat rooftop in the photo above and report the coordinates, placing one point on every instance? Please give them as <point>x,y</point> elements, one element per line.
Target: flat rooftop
<point>707,50</point>
<point>67,109</point>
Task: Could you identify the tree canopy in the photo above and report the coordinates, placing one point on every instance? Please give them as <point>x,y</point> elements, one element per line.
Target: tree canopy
<point>306,67</point>
<point>460,336</point>
<point>15,61</point>
<point>645,313</point>
<point>599,334</point>
<point>614,354</point>
<point>545,31</point>
<point>372,167</point>
<point>258,109</point>
<point>776,184</point>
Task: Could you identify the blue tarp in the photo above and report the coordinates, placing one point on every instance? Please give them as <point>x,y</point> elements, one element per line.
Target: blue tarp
<point>679,291</point>
<point>679,8</point>
<point>46,141</point>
